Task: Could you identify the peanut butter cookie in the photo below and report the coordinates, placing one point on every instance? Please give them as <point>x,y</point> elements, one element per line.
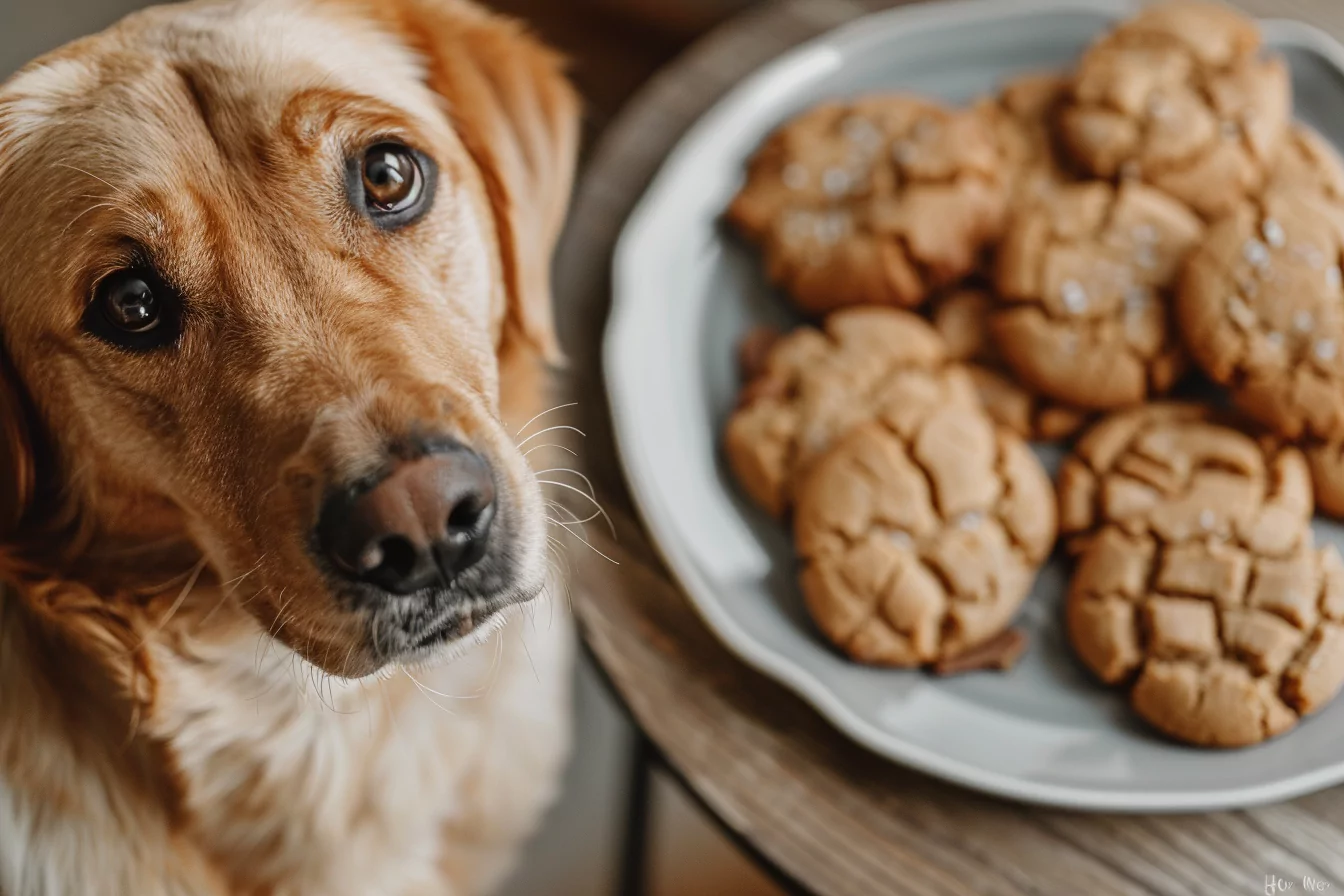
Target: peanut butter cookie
<point>1180,97</point>
<point>873,202</point>
<point>1086,278</point>
<point>1226,644</point>
<point>1261,307</point>
<point>962,319</point>
<point>816,384</point>
<point>1173,471</point>
<point>1198,580</point>
<point>921,536</point>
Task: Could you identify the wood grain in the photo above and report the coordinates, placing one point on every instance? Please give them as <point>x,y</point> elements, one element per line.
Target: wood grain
<point>828,814</point>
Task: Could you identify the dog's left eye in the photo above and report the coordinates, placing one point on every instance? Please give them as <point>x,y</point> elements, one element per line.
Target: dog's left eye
<point>392,183</point>
<point>133,308</point>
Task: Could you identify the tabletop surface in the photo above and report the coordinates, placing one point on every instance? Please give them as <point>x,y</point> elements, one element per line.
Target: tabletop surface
<point>826,813</point>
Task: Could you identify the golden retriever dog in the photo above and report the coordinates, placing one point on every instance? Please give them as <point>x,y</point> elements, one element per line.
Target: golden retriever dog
<point>275,308</point>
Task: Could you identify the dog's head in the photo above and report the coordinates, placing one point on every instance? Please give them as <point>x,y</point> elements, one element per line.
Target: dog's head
<point>261,262</point>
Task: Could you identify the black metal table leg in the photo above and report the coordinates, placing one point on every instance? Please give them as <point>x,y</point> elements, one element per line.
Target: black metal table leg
<point>634,879</point>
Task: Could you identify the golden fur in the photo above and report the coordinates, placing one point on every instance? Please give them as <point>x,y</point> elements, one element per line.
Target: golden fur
<point>185,708</point>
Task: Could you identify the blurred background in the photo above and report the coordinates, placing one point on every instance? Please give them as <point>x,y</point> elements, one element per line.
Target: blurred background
<point>614,45</point>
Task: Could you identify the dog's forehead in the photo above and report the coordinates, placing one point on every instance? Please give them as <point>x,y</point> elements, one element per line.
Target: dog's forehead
<point>126,86</point>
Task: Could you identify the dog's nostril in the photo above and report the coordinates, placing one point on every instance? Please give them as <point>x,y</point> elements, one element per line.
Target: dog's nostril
<point>466,515</point>
<point>392,558</point>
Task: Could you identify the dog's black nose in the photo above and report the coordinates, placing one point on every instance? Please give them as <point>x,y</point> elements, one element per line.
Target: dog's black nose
<point>422,524</point>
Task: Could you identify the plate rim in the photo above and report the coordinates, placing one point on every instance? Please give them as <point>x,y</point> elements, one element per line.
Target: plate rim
<point>797,62</point>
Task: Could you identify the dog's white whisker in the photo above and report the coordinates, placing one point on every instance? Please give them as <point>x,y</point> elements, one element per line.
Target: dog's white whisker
<point>172,609</point>
<point>575,517</point>
<point>227,590</point>
<point>234,581</point>
<point>576,490</point>
<point>425,693</point>
<point>550,445</point>
<point>589,545</point>
<point>527,652</point>
<point>560,407</point>
<point>268,638</point>
<point>552,429</point>
<point>592,492</point>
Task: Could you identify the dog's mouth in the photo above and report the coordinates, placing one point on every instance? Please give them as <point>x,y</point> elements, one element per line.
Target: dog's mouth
<point>456,625</point>
<point>422,628</point>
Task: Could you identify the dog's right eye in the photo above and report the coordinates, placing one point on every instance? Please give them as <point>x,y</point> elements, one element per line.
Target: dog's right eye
<point>133,308</point>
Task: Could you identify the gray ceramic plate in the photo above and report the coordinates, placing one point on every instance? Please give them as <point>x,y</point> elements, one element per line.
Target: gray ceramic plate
<point>684,294</point>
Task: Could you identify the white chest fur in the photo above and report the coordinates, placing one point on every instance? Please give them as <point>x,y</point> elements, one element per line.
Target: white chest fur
<point>421,781</point>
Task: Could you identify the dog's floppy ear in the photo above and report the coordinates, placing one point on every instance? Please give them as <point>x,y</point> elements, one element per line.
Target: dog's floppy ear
<point>18,469</point>
<point>518,116</point>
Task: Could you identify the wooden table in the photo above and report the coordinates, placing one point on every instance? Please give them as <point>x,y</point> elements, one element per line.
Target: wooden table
<point>823,814</point>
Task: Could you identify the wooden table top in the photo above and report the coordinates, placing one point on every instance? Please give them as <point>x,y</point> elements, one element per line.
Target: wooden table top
<point>828,814</point>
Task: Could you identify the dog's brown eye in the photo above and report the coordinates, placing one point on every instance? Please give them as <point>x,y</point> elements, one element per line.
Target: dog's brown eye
<point>392,184</point>
<point>135,309</point>
<point>392,180</point>
<point>130,303</point>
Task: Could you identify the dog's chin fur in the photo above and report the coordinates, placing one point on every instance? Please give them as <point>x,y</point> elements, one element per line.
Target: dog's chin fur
<point>230,730</point>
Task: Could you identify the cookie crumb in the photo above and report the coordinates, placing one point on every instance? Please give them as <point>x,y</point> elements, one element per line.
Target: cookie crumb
<point>1303,321</point>
<point>1275,339</point>
<point>1207,519</point>
<point>1000,654</point>
<point>1325,349</point>
<point>1334,278</point>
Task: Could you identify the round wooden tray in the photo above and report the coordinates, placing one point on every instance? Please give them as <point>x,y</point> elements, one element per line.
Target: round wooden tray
<point>824,812</point>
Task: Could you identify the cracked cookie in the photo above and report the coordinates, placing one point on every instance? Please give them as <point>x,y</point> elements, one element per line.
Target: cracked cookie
<point>921,536</point>
<point>1180,97</point>
<point>1226,644</point>
<point>1174,472</point>
<point>1261,307</point>
<point>1085,281</point>
<point>877,201</point>
<point>962,319</point>
<point>1197,580</point>
<point>816,384</point>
